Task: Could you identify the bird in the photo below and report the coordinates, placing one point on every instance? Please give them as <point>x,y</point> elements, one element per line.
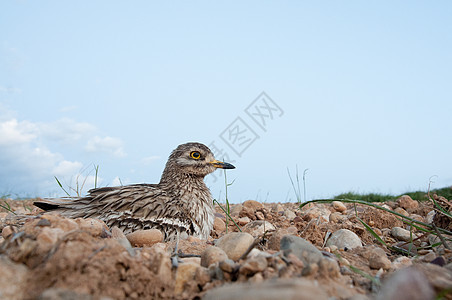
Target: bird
<point>180,205</point>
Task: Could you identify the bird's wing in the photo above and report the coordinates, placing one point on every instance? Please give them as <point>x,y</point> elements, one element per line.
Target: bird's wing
<point>130,207</point>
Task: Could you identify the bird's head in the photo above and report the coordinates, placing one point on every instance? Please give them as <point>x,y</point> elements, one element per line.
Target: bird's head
<point>194,159</point>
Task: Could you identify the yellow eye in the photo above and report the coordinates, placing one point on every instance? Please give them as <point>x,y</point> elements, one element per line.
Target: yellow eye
<point>195,155</point>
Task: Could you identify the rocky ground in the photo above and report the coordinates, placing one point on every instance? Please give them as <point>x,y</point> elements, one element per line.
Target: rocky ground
<point>322,251</point>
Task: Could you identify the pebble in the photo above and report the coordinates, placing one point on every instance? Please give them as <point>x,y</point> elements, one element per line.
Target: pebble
<point>7,231</point>
<point>378,259</point>
<point>301,289</point>
<point>329,268</point>
<point>406,283</point>
<point>401,262</point>
<point>317,212</point>
<point>227,265</point>
<point>278,208</point>
<point>301,248</point>
<point>289,214</point>
<point>147,237</point>
<point>428,257</point>
<point>339,206</point>
<point>401,211</point>
<point>12,279</point>
<point>235,210</point>
<point>185,273</point>
<point>430,216</point>
<point>439,277</point>
<point>406,202</point>
<point>344,238</point>
<point>212,255</point>
<point>252,204</point>
<point>402,234</point>
<point>119,235</point>
<point>253,265</point>
<point>258,228</point>
<point>219,225</point>
<point>243,221</point>
<point>235,244</point>
<point>95,227</point>
<point>48,236</point>
<point>337,217</point>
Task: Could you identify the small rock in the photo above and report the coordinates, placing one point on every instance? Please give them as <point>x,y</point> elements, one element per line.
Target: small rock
<point>12,279</point>
<point>301,289</point>
<point>401,211</point>
<point>219,225</point>
<point>407,283</point>
<point>235,210</point>
<point>95,227</point>
<point>430,216</point>
<point>440,261</point>
<point>295,260</point>
<point>212,255</point>
<point>344,238</point>
<point>378,259</point>
<point>278,208</point>
<point>227,265</point>
<point>257,228</point>
<point>60,293</point>
<point>292,230</point>
<point>428,257</point>
<point>243,221</point>
<point>7,231</point>
<point>275,238</point>
<point>406,202</point>
<point>64,224</point>
<point>337,217</point>
<point>417,217</point>
<point>48,237</point>
<point>147,237</point>
<point>317,212</point>
<point>439,277</point>
<point>402,234</point>
<point>401,262</point>
<point>235,244</point>
<point>339,206</point>
<point>43,222</point>
<point>202,276</point>
<point>252,204</point>
<point>185,274</point>
<point>301,248</point>
<point>290,215</point>
<point>253,265</point>
<point>260,215</point>
<point>119,235</point>
<point>329,268</point>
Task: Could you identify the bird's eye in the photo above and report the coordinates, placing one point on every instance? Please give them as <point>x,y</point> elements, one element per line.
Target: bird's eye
<point>195,155</point>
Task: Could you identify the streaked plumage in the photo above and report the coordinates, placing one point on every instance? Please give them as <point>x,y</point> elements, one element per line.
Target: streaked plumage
<point>180,203</point>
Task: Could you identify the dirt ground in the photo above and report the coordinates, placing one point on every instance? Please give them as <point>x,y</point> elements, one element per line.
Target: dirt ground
<point>45,256</point>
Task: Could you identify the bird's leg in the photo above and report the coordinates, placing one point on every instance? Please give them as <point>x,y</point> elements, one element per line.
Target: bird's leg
<point>175,257</point>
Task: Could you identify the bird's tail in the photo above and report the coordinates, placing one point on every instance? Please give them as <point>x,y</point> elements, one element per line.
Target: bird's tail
<point>49,204</point>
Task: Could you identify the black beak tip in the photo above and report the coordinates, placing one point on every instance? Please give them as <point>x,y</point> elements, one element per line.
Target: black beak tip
<point>228,166</point>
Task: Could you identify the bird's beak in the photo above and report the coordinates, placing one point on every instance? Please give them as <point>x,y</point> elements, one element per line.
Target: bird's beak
<point>222,165</point>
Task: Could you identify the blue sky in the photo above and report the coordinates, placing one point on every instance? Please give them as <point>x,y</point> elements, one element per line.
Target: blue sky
<point>364,91</point>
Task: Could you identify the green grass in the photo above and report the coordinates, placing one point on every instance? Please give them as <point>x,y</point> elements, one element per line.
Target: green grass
<point>417,195</point>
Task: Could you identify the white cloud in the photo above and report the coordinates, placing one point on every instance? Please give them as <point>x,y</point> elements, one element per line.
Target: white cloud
<point>13,132</point>
<point>29,161</point>
<point>67,130</point>
<point>65,167</point>
<point>106,144</point>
